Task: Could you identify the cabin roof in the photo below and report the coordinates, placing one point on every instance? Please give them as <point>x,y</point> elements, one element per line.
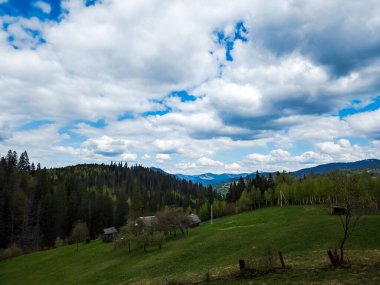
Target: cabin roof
<point>339,207</point>
<point>109,231</point>
<point>194,218</point>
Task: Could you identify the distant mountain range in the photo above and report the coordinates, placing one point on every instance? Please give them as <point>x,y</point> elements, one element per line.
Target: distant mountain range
<point>214,179</point>
<point>357,165</point>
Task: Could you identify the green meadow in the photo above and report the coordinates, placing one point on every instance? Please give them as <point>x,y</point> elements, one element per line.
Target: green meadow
<point>302,233</point>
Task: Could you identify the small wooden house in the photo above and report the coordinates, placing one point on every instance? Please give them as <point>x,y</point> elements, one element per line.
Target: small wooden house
<point>338,210</point>
<point>109,234</point>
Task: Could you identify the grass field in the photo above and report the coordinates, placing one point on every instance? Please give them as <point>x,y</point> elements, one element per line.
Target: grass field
<point>302,233</point>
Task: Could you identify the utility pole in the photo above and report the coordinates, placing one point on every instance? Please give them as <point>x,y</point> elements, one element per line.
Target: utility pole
<point>211,214</point>
<point>210,194</point>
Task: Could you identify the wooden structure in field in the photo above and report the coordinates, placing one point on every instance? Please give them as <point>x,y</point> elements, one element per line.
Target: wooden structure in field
<point>338,210</point>
<point>193,221</point>
<point>109,234</point>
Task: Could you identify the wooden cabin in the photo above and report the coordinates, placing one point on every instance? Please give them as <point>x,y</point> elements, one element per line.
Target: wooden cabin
<point>109,234</point>
<point>338,210</point>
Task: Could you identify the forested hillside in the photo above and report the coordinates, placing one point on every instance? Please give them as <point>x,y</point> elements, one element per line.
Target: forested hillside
<point>38,205</point>
<point>285,189</point>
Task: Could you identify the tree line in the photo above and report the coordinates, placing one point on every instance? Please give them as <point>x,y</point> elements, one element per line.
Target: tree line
<point>285,189</point>
<point>281,189</point>
<point>37,205</point>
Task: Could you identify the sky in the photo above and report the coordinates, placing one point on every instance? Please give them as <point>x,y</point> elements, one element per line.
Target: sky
<point>191,86</point>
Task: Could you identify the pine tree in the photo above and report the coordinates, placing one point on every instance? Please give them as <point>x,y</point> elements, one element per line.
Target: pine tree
<point>23,163</point>
<point>12,158</point>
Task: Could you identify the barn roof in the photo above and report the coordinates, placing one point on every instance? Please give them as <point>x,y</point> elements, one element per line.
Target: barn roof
<point>110,230</point>
<point>148,220</point>
<point>194,218</point>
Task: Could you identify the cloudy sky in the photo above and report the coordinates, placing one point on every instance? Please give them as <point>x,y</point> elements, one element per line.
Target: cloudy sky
<point>191,86</point>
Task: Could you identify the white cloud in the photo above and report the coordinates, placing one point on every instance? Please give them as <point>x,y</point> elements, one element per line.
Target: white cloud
<point>342,150</point>
<point>106,144</point>
<point>161,157</point>
<point>37,142</point>
<point>146,157</point>
<point>129,156</point>
<point>311,129</point>
<point>44,6</point>
<point>279,160</point>
<point>204,161</point>
<point>205,164</point>
<point>122,59</point>
<point>367,123</point>
<point>169,146</point>
<point>240,100</point>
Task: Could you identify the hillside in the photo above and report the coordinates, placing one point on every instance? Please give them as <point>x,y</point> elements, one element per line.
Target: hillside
<point>38,205</point>
<point>324,168</point>
<point>302,233</point>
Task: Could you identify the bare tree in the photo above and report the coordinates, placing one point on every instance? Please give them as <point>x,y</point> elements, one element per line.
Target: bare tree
<point>354,197</point>
<point>171,219</point>
<point>349,223</point>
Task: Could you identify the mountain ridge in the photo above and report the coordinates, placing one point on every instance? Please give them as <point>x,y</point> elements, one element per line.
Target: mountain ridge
<point>213,179</point>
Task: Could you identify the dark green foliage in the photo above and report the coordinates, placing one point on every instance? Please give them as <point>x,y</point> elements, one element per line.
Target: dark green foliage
<point>23,163</point>
<point>38,205</point>
<point>285,189</point>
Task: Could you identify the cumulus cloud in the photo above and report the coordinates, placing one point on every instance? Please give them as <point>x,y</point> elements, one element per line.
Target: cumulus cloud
<point>298,26</point>
<point>279,159</point>
<point>120,61</point>
<point>161,157</point>
<point>367,123</point>
<point>204,164</point>
<point>38,143</point>
<point>44,6</point>
<point>342,150</point>
<point>146,157</point>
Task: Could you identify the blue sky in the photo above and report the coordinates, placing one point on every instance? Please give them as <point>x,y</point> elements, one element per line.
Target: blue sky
<point>190,87</point>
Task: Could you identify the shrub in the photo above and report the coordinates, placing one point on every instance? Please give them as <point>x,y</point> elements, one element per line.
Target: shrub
<point>119,243</point>
<point>59,242</point>
<point>12,251</point>
<point>204,212</point>
<point>269,259</point>
<point>266,261</point>
<point>158,239</point>
<point>143,240</point>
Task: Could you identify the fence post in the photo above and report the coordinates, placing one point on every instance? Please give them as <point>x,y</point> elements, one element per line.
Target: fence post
<point>282,260</point>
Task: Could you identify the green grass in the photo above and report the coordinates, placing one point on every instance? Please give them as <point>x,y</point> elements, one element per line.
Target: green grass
<point>302,233</point>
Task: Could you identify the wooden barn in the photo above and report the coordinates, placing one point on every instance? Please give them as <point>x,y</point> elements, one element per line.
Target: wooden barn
<point>338,210</point>
<point>109,234</point>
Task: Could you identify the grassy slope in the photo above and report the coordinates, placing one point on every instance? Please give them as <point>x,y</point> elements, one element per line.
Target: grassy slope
<point>302,233</point>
